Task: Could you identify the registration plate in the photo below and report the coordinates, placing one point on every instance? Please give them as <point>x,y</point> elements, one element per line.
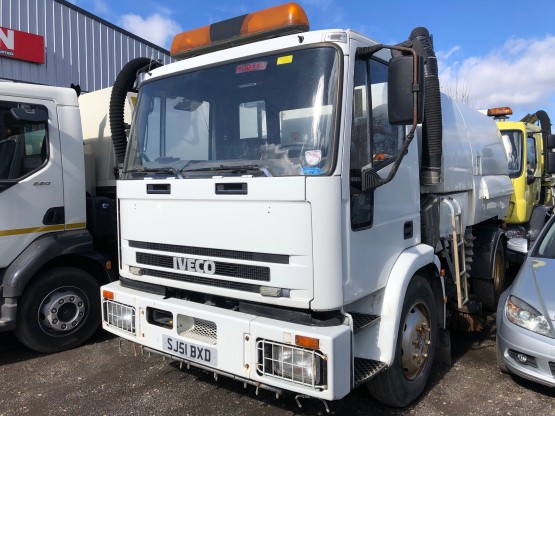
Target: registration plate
<point>190,351</point>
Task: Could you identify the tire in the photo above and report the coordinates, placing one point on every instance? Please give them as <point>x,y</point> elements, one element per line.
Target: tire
<point>488,291</point>
<point>405,380</point>
<point>59,310</point>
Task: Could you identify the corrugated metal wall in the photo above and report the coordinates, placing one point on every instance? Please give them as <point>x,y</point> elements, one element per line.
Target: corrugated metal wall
<point>80,48</point>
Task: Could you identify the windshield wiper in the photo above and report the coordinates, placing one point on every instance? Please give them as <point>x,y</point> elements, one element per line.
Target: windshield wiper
<point>239,168</point>
<point>169,169</point>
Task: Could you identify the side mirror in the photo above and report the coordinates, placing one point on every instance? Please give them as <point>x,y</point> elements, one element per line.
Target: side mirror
<point>405,99</point>
<point>29,115</point>
<point>400,90</point>
<point>550,143</point>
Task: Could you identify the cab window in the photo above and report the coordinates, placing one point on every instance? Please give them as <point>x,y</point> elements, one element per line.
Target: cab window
<point>512,141</point>
<point>531,160</point>
<point>23,145</point>
<point>374,141</point>
<point>387,139</point>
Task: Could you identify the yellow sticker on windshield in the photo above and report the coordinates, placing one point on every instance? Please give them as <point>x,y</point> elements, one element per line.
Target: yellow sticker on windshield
<point>284,60</point>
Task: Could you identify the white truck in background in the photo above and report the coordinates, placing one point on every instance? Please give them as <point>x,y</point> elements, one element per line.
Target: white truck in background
<point>278,224</point>
<point>57,212</point>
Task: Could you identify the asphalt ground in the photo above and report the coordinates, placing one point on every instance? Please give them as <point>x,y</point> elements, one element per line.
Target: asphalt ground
<point>105,377</point>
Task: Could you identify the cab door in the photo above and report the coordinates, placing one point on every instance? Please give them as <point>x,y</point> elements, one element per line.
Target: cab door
<point>31,185</point>
<point>385,222</point>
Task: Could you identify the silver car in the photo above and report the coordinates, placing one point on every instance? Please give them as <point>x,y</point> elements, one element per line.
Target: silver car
<point>526,315</point>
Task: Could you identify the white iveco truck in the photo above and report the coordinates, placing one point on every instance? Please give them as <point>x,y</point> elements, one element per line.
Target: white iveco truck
<point>286,220</point>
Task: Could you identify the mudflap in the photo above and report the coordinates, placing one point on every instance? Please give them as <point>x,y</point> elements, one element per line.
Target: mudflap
<point>443,349</point>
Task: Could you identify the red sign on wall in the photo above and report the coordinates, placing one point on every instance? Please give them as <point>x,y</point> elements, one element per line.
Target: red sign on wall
<point>21,46</point>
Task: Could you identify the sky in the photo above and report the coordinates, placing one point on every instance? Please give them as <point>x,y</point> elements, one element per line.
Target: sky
<point>490,52</point>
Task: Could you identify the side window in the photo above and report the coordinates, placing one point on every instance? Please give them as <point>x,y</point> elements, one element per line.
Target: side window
<point>512,141</point>
<point>531,162</point>
<point>373,139</point>
<point>360,130</point>
<point>386,139</point>
<point>362,202</point>
<point>23,145</point>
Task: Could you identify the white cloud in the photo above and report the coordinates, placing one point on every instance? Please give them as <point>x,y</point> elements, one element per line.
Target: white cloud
<point>520,74</point>
<point>443,57</point>
<point>155,28</point>
<point>102,8</point>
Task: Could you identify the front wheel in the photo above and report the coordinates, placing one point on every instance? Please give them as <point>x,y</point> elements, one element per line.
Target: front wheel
<point>59,310</point>
<point>406,379</point>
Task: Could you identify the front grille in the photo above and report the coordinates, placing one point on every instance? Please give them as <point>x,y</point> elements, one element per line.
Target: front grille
<point>200,280</point>
<point>197,329</point>
<point>212,253</point>
<point>241,271</point>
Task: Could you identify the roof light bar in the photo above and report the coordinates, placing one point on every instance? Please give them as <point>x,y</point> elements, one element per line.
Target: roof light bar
<point>500,112</point>
<point>272,22</point>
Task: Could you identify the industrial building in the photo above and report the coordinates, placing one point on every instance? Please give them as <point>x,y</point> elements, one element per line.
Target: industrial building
<point>53,42</point>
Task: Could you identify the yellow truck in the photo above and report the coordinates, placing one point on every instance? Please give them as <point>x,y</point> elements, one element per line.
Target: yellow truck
<point>529,146</point>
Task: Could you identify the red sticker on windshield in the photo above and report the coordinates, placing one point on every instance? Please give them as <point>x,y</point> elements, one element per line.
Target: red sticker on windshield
<point>254,66</point>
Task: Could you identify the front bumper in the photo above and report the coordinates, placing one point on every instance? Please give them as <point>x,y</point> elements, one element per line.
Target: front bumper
<point>8,313</point>
<point>513,341</point>
<point>233,340</point>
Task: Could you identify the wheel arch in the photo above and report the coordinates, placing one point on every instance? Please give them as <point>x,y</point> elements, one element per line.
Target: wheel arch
<point>73,248</point>
<point>418,260</point>
<point>487,238</point>
<point>432,274</point>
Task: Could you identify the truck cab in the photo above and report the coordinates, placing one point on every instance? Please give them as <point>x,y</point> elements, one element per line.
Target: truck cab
<point>529,154</point>
<point>54,234</point>
<point>274,222</point>
<point>523,144</point>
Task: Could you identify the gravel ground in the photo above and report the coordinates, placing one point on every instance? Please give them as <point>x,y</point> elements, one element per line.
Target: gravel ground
<point>101,378</point>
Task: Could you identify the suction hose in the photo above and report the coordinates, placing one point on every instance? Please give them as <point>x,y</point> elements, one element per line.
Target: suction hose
<point>545,126</point>
<point>432,128</point>
<point>123,84</point>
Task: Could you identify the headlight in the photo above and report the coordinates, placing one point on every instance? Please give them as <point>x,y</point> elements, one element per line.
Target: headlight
<point>527,317</point>
<point>291,363</point>
<point>119,315</point>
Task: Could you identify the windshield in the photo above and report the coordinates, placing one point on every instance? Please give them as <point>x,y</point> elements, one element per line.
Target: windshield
<point>546,248</point>
<point>512,141</point>
<point>268,116</point>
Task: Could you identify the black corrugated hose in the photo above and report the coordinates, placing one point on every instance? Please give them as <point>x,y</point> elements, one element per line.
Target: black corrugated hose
<point>432,128</point>
<point>123,84</point>
<point>545,126</point>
